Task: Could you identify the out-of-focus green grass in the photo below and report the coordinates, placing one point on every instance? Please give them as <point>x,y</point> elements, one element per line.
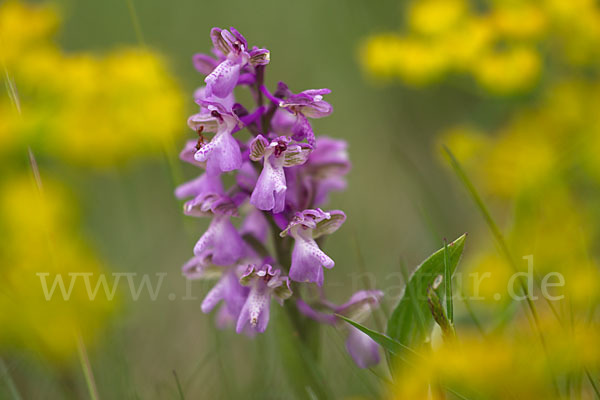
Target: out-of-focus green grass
<point>398,202</point>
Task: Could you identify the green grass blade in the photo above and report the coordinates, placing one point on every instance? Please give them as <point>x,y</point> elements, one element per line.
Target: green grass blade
<point>87,369</point>
<point>9,381</point>
<point>179,389</point>
<point>594,386</point>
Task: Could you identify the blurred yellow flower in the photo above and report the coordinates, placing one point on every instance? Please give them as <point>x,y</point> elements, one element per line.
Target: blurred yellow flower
<point>436,16</point>
<point>511,70</point>
<point>80,108</point>
<point>509,365</point>
<point>83,108</point>
<point>38,227</point>
<point>414,60</point>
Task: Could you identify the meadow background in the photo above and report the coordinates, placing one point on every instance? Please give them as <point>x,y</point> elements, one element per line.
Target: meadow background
<point>402,199</point>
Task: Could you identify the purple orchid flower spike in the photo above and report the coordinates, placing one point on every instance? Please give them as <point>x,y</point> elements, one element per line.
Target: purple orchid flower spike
<point>264,282</point>
<point>308,259</point>
<point>233,47</point>
<point>269,193</point>
<point>363,350</point>
<point>304,105</point>
<point>222,153</point>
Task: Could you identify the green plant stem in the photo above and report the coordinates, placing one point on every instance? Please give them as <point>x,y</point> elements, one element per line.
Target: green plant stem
<point>9,381</point>
<point>592,383</point>
<point>87,369</point>
<point>499,237</point>
<point>179,389</point>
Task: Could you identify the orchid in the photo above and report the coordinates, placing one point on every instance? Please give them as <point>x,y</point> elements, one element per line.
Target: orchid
<point>280,175</point>
<point>264,282</point>
<point>269,193</point>
<point>308,259</point>
<point>308,103</point>
<point>222,153</point>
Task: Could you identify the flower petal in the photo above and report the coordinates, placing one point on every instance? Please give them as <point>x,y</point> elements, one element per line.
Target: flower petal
<point>307,261</point>
<point>363,350</point>
<point>223,79</point>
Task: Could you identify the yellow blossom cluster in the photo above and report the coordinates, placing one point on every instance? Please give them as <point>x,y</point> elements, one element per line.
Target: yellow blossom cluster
<point>77,109</point>
<point>501,44</point>
<point>80,107</point>
<point>41,242</point>
<point>511,364</point>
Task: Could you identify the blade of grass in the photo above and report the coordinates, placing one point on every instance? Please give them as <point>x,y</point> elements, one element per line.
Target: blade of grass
<point>499,237</point>
<point>594,386</point>
<point>136,23</point>
<point>493,228</point>
<point>87,369</point>
<point>9,381</point>
<point>179,389</point>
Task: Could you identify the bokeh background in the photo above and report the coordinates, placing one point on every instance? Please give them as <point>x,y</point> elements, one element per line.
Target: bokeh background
<point>105,88</point>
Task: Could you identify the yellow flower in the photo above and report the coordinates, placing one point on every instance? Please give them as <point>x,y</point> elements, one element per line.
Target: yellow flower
<point>499,367</point>
<point>83,108</point>
<point>432,17</point>
<point>415,60</point>
<point>24,28</point>
<point>519,20</point>
<point>508,71</point>
<point>38,227</point>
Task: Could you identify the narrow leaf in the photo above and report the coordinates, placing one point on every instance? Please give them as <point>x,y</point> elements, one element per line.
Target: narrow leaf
<point>401,325</point>
<point>384,341</point>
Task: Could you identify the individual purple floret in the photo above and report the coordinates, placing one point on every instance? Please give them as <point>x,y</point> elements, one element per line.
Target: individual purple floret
<point>222,153</point>
<point>304,105</point>
<point>308,259</point>
<point>231,46</point>
<point>363,350</point>
<point>264,282</point>
<point>269,193</point>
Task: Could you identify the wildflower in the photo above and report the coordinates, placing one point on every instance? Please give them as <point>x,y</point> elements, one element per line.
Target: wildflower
<point>269,193</point>
<point>308,103</point>
<point>264,282</point>
<point>233,47</point>
<point>278,131</point>
<point>222,153</point>
<point>308,259</point>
